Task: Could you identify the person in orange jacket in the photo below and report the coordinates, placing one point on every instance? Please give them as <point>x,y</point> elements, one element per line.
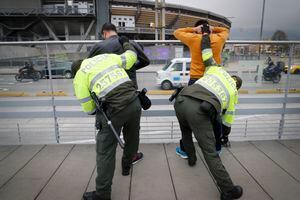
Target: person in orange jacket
<point>191,36</point>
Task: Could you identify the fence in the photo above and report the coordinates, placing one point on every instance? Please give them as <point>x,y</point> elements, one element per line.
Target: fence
<point>46,111</point>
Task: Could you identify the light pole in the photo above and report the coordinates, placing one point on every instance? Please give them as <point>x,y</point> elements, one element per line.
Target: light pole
<point>262,20</point>
<point>261,26</point>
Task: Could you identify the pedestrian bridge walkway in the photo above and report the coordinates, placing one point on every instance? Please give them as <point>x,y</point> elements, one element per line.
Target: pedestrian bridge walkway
<point>265,169</point>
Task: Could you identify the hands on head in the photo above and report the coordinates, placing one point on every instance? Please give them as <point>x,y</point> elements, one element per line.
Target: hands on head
<point>203,29</point>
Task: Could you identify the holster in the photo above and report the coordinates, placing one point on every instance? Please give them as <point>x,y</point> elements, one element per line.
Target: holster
<point>145,101</point>
<point>99,118</point>
<point>175,93</point>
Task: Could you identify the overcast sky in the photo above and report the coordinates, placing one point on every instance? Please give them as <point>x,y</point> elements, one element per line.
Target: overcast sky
<point>246,16</point>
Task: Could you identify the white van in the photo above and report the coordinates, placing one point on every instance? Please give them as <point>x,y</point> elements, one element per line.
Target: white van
<point>174,74</point>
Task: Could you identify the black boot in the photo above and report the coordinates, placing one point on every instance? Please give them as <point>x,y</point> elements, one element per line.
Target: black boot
<point>235,193</point>
<point>93,196</point>
<point>192,160</point>
<point>126,168</point>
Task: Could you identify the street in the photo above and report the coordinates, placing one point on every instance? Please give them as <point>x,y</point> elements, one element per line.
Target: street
<point>145,80</point>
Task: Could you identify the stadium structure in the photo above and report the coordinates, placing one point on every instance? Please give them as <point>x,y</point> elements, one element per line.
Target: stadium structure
<point>81,20</point>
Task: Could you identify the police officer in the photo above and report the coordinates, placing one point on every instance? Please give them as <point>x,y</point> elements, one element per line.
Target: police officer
<point>213,95</point>
<point>105,75</point>
<point>111,44</point>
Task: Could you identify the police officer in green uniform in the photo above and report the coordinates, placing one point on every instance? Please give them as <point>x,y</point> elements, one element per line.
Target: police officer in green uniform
<point>106,76</point>
<point>212,96</point>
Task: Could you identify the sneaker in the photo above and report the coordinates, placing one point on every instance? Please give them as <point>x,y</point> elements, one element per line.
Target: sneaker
<point>181,153</point>
<point>137,157</point>
<point>219,152</point>
<point>93,196</point>
<point>235,193</point>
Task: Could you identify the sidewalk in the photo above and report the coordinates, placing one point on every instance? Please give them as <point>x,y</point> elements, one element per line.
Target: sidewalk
<point>265,169</point>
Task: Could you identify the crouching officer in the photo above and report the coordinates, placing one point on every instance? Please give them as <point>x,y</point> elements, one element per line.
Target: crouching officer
<point>213,95</point>
<point>105,75</point>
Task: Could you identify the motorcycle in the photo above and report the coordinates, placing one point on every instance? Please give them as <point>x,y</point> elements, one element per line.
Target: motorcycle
<point>273,72</point>
<point>28,72</point>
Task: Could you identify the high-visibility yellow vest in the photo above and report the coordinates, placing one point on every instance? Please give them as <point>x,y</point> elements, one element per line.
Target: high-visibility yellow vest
<point>101,74</point>
<point>219,82</point>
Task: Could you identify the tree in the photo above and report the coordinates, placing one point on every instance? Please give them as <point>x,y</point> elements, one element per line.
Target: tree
<point>279,35</point>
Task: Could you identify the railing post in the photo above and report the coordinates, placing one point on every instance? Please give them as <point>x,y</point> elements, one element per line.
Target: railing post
<point>19,133</point>
<point>172,129</point>
<point>52,96</point>
<point>282,120</point>
<point>246,128</point>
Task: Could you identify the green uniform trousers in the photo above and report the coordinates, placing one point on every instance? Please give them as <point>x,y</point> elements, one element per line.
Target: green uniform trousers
<point>106,144</point>
<point>192,119</point>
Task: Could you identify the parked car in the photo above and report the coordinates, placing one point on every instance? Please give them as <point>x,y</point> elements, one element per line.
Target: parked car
<point>295,69</point>
<point>58,70</point>
<point>175,73</point>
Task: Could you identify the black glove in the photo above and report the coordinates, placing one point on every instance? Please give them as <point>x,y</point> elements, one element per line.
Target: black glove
<point>205,29</point>
<point>123,39</point>
<point>226,130</point>
<point>224,141</point>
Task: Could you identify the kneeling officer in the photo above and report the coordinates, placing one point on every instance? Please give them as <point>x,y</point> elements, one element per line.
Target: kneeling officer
<point>105,75</point>
<point>212,96</point>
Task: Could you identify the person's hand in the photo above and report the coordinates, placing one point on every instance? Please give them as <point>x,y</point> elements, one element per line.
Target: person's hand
<point>224,140</point>
<point>123,39</point>
<point>205,29</point>
<point>197,29</point>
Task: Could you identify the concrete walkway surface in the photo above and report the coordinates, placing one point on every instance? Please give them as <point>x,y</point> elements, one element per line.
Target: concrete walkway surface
<point>265,169</point>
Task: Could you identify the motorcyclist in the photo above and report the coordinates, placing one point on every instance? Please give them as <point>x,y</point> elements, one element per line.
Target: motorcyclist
<point>27,68</point>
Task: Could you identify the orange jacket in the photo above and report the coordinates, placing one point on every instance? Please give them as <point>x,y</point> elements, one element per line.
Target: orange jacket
<point>187,36</point>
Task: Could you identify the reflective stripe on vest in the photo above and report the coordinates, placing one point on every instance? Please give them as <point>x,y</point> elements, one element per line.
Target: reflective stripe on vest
<point>84,100</point>
<point>230,112</point>
<point>213,84</point>
<point>101,74</point>
<point>112,86</point>
<point>226,123</point>
<point>123,58</point>
<point>108,79</point>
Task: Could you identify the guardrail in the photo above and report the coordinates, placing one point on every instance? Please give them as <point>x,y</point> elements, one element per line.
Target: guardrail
<point>53,11</point>
<point>289,42</point>
<point>284,125</point>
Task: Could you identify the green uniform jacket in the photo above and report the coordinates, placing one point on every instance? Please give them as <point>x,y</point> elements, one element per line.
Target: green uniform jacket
<point>102,74</point>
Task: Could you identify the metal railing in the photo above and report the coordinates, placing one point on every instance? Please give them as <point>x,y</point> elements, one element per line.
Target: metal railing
<point>166,130</point>
<point>65,11</point>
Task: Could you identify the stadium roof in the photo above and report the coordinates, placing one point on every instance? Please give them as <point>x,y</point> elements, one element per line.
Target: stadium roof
<point>179,9</point>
